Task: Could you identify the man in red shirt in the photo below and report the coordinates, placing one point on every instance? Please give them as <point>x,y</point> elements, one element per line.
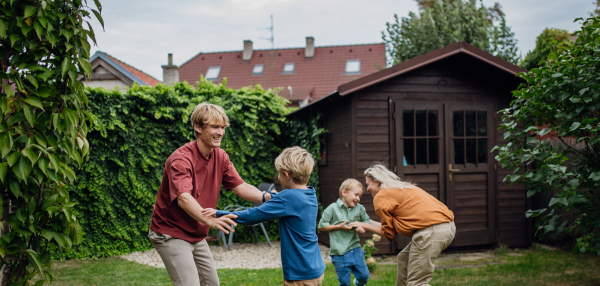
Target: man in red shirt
<point>192,181</point>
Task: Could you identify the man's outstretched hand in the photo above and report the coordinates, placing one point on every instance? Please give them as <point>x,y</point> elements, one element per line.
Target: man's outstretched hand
<point>224,223</point>
<point>209,212</point>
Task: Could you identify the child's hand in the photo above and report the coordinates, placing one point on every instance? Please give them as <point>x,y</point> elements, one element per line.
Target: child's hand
<point>209,212</point>
<point>360,230</point>
<point>344,226</point>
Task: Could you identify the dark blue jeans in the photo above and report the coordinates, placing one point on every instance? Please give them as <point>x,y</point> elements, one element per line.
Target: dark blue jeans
<point>353,261</point>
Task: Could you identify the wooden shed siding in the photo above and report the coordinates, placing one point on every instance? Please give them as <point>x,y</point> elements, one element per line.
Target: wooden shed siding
<point>339,159</point>
<point>511,202</point>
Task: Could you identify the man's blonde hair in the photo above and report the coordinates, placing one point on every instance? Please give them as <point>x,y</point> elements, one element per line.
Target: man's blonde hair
<point>297,162</point>
<point>351,184</point>
<point>208,113</point>
<point>389,180</point>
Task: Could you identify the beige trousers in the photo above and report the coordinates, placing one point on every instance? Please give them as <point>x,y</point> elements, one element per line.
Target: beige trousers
<point>188,264</point>
<point>416,260</point>
<point>311,282</point>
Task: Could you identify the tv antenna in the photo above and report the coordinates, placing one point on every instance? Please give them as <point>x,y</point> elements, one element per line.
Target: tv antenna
<point>272,38</point>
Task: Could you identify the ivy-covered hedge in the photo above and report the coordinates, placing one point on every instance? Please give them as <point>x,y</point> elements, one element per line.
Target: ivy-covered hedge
<point>136,131</point>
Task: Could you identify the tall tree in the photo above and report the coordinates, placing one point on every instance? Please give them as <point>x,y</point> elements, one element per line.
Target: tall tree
<point>549,41</point>
<point>444,22</point>
<point>43,50</point>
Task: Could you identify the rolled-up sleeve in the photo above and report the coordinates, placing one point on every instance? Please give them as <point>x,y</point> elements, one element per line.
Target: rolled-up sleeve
<point>384,211</point>
<point>231,178</point>
<point>326,218</point>
<point>180,178</point>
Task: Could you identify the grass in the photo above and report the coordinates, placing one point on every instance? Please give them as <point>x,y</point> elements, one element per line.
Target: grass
<point>535,267</point>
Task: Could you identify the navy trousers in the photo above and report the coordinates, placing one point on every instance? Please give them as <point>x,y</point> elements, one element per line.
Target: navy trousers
<point>351,262</point>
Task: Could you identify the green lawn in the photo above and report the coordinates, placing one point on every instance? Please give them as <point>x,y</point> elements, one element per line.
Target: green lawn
<point>536,267</point>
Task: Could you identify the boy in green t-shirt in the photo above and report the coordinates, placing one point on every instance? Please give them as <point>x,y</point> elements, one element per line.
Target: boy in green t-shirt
<point>346,254</point>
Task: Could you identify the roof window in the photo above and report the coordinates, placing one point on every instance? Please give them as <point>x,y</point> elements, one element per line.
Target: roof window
<point>288,68</point>
<point>353,66</point>
<point>258,69</point>
<point>213,73</point>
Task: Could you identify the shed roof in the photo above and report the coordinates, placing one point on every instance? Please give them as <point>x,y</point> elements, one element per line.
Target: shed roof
<point>315,77</point>
<point>130,72</point>
<point>415,63</point>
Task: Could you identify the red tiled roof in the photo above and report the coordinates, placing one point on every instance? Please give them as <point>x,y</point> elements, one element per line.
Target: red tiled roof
<point>319,75</point>
<point>140,74</point>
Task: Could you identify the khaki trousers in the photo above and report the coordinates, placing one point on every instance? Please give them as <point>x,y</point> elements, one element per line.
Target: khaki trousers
<point>188,264</point>
<point>416,260</point>
<point>311,282</point>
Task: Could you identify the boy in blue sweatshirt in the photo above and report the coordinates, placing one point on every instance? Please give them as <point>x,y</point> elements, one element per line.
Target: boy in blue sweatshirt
<point>296,208</point>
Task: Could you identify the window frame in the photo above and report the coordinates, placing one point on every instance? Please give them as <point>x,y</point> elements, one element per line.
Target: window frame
<point>353,61</point>
<point>218,73</point>
<point>293,68</point>
<point>262,70</point>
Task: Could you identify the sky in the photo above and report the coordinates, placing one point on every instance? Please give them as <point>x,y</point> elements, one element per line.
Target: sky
<point>142,33</point>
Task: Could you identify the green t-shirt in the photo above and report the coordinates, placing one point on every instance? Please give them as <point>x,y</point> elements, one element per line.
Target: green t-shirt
<point>342,241</point>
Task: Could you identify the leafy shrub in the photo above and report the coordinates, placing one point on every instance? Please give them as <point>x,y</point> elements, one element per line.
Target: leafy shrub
<point>558,109</point>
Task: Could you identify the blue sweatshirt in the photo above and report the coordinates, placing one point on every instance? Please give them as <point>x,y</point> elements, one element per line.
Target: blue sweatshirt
<point>297,212</point>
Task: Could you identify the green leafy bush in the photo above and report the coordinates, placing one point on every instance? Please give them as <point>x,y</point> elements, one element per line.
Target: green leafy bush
<point>138,129</point>
<point>555,117</point>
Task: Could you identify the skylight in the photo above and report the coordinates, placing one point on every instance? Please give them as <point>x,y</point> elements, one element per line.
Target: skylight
<point>353,66</point>
<point>288,68</point>
<point>213,72</point>
<point>258,69</point>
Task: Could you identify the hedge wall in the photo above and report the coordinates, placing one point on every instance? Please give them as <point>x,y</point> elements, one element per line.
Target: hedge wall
<point>135,132</point>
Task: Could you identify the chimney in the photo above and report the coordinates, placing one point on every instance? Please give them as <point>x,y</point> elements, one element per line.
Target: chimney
<point>170,72</point>
<point>247,55</point>
<point>309,51</point>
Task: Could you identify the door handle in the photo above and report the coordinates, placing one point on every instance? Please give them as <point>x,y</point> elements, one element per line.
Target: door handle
<point>450,170</point>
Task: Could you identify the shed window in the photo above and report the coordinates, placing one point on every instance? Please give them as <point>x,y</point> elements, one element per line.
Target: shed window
<point>258,69</point>
<point>288,68</point>
<point>213,72</point>
<point>421,137</point>
<point>353,66</point>
<point>470,136</point>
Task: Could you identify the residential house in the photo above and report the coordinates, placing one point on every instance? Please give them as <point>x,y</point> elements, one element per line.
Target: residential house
<point>302,74</point>
<point>109,72</point>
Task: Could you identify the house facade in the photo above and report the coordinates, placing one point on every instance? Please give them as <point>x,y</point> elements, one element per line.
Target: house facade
<point>302,75</point>
<point>109,72</point>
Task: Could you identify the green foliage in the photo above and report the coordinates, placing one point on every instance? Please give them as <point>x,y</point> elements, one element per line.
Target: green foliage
<point>137,131</point>
<point>43,50</point>
<point>443,22</point>
<point>550,41</point>
<point>558,109</point>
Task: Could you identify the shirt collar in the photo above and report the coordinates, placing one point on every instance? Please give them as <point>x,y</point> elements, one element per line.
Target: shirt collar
<point>341,204</point>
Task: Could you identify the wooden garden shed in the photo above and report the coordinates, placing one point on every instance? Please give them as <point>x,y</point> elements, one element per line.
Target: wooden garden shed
<point>433,120</point>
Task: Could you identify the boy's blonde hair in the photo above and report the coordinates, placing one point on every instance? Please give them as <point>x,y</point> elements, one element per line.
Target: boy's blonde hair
<point>208,113</point>
<point>297,162</point>
<point>389,180</point>
<point>351,184</point>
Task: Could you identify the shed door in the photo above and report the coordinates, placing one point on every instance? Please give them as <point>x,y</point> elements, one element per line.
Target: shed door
<point>470,171</point>
<point>432,136</point>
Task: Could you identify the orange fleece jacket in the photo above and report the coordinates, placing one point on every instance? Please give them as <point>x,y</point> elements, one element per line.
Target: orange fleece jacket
<point>408,210</point>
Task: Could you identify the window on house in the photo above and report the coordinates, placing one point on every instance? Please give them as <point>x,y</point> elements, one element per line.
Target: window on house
<point>258,69</point>
<point>353,66</point>
<point>213,72</point>
<point>288,68</point>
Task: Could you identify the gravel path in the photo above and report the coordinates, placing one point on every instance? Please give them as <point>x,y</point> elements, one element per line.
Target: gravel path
<point>243,255</point>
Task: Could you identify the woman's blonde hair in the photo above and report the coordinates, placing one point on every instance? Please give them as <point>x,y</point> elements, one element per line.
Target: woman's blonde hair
<point>208,113</point>
<point>388,180</point>
<point>351,184</point>
<point>297,162</point>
